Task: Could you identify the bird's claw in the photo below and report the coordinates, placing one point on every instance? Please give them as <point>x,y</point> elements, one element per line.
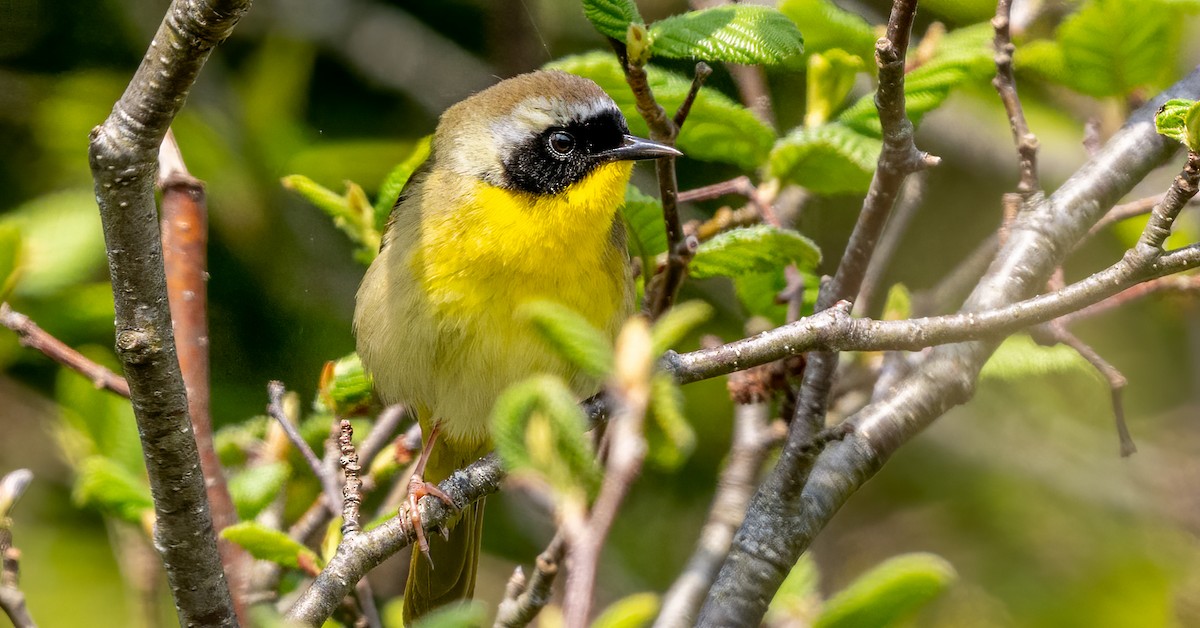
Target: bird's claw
<point>418,488</point>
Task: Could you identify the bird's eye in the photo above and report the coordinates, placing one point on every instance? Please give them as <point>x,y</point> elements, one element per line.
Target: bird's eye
<point>562,142</point>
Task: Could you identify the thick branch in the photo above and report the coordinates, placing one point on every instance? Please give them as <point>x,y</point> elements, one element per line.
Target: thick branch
<point>123,153</point>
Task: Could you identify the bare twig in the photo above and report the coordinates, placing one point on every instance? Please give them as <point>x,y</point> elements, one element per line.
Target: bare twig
<point>1006,85</point>
<point>737,185</point>
<point>12,599</point>
<point>122,154</point>
<point>275,408</point>
<point>351,493</point>
<point>701,74</point>
<point>912,196</point>
<point>1174,283</point>
<point>38,339</point>
<point>525,597</point>
<point>1125,211</point>
<point>751,439</point>
<point>185,259</point>
<point>629,393</point>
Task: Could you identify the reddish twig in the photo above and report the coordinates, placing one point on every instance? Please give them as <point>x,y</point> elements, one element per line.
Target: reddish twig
<point>185,259</point>
<point>39,340</point>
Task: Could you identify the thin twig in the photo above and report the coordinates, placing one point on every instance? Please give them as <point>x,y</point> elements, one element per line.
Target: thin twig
<point>912,196</point>
<point>737,185</point>
<point>1006,85</point>
<point>12,599</point>
<point>333,495</point>
<point>351,493</point>
<point>525,597</point>
<point>39,340</point>
<point>629,393</point>
<point>701,74</point>
<point>1175,283</point>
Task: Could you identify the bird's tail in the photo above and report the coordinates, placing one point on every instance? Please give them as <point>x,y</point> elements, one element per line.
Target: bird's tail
<point>451,576</point>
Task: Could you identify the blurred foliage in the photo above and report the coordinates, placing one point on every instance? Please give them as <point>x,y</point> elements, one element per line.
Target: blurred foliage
<point>1019,491</point>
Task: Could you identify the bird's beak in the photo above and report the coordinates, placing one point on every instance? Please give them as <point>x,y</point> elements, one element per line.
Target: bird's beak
<point>637,148</point>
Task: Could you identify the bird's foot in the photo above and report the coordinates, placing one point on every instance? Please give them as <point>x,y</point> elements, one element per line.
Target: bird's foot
<point>418,488</point>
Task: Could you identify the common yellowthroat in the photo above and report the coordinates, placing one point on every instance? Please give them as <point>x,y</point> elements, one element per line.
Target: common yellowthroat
<point>518,201</point>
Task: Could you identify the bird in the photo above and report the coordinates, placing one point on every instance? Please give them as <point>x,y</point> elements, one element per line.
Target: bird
<point>518,201</point>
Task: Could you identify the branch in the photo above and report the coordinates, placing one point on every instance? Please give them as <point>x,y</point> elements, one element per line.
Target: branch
<point>774,535</point>
<point>12,599</point>
<point>333,495</point>
<point>525,598</point>
<point>38,339</point>
<point>185,260</point>
<point>122,153</point>
<point>1006,85</point>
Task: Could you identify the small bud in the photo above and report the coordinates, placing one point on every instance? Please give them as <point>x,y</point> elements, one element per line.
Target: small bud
<point>637,44</point>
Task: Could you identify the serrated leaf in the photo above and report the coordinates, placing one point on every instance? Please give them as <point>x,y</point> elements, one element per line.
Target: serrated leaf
<point>633,611</point>
<point>104,484</point>
<point>457,615</point>
<point>669,436</point>
<point>827,26</point>
<point>742,33</point>
<point>755,249</point>
<point>678,322</point>
<point>1113,47</point>
<point>1019,357</point>
<point>255,488</point>
<point>1179,120</point>
<point>888,594</point>
<point>538,427</point>
<point>393,184</point>
<point>830,77</point>
<point>10,258</point>
<point>612,17</point>
<point>264,543</point>
<point>717,129</point>
<point>351,212</point>
<point>799,595</point>
<point>962,56</point>
<point>570,335</point>
<point>829,159</point>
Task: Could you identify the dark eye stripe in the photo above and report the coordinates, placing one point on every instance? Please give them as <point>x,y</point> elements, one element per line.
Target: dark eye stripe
<point>539,167</point>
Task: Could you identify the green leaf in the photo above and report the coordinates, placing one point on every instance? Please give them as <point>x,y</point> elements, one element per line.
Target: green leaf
<point>830,78</point>
<point>457,615</point>
<point>758,293</point>
<point>570,335</point>
<point>351,212</point>
<point>62,243</point>
<point>829,159</point>
<point>961,11</point>
<point>10,258</point>
<point>104,484</point>
<point>827,26</point>
<point>1019,357</point>
<point>612,17</point>
<point>538,428</point>
<point>264,543</point>
<point>1113,47</point>
<point>254,488</point>
<point>99,422</point>
<point>1179,120</point>
<point>888,594</point>
<point>234,442</point>
<point>799,595</point>
<point>669,436</point>
<point>898,305</point>
<point>717,129</point>
<point>741,33</point>
<point>678,322</point>
<point>393,185</point>
<point>962,56</point>
<point>754,249</point>
<point>346,388</point>
<point>633,611</point>
<point>644,216</point>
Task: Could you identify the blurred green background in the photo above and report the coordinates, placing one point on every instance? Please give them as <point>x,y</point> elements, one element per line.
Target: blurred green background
<point>1021,490</point>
